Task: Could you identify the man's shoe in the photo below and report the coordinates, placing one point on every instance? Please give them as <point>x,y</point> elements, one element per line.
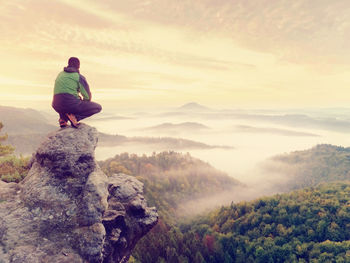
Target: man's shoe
<point>63,123</point>
<point>73,120</point>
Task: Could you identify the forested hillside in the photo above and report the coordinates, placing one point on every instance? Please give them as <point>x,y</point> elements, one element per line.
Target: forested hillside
<point>322,163</point>
<point>171,178</point>
<point>310,225</point>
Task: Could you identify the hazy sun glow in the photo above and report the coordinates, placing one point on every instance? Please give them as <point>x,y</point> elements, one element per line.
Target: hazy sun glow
<point>241,53</point>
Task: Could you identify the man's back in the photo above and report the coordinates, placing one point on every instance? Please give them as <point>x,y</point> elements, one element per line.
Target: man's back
<point>67,82</point>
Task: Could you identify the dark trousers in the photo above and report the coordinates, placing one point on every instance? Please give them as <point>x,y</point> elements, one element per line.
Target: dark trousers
<point>66,103</point>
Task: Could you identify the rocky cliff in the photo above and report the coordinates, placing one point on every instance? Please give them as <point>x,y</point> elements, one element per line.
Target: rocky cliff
<point>68,210</point>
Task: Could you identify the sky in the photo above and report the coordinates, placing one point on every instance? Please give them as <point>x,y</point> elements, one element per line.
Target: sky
<point>156,53</point>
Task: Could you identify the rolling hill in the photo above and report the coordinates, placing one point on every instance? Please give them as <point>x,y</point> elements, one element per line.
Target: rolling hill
<point>310,225</point>
<point>322,163</point>
<point>171,179</point>
<point>26,129</point>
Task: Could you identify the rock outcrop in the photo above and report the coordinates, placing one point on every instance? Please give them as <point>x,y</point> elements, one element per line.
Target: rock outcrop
<point>68,210</point>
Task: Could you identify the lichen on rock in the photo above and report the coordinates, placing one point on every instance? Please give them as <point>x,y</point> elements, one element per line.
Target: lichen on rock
<point>68,210</point>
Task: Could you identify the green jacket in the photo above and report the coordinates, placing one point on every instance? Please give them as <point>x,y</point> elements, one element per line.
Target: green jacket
<point>72,82</point>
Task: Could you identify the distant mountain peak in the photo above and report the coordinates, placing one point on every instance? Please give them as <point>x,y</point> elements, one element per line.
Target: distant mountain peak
<point>193,106</point>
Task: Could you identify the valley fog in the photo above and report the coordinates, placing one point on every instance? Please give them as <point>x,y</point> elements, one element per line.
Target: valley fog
<point>254,137</point>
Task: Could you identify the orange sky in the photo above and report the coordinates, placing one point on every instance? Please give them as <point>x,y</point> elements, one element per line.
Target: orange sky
<point>243,53</point>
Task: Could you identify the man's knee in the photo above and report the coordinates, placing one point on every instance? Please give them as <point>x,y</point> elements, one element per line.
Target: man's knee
<point>98,108</point>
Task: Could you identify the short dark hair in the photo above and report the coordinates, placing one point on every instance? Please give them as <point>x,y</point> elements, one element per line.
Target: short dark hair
<point>73,62</point>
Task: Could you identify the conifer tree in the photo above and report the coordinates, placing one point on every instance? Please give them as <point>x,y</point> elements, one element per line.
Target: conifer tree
<point>4,149</point>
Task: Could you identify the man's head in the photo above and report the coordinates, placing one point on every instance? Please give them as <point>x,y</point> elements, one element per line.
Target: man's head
<point>74,62</point>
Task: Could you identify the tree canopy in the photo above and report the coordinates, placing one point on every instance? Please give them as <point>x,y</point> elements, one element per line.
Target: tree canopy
<point>12,168</point>
<point>4,149</point>
<point>310,225</point>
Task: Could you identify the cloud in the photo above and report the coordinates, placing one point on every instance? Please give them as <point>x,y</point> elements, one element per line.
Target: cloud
<point>234,52</point>
<point>299,31</point>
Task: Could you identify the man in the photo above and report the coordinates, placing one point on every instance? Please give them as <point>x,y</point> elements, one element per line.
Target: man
<point>72,96</point>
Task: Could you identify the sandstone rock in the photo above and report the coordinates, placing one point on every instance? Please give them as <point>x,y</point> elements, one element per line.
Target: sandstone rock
<point>68,210</point>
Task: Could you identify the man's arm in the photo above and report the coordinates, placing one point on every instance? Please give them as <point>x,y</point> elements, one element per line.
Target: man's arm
<point>84,88</point>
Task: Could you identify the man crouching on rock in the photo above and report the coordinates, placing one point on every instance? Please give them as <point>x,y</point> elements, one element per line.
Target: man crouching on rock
<point>72,96</point>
